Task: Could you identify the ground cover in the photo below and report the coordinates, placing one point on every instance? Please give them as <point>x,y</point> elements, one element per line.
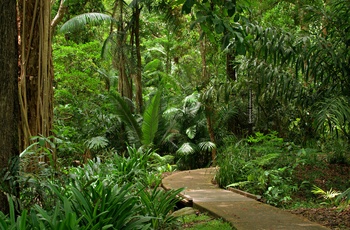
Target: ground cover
<point>202,221</point>
<point>335,176</point>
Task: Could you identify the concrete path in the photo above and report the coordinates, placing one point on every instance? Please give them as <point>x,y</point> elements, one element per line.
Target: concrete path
<point>242,212</point>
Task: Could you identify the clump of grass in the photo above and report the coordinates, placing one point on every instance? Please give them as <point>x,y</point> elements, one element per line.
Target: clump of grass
<point>202,221</point>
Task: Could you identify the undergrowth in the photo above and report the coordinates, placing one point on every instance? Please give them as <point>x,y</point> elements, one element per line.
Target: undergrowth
<point>118,193</point>
<point>265,165</point>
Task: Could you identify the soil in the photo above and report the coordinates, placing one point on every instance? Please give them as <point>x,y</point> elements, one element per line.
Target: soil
<point>325,176</point>
<point>329,217</point>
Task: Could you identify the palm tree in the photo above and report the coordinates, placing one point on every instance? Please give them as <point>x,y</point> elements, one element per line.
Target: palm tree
<point>119,48</point>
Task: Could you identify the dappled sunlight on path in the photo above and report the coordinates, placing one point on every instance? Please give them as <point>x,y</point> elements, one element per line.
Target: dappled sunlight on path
<point>243,212</point>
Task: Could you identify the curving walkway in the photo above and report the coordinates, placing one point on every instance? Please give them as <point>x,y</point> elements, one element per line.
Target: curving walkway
<point>242,212</point>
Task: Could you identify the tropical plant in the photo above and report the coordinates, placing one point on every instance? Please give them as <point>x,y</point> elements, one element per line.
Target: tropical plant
<point>160,205</point>
<point>139,134</point>
<point>193,148</point>
<point>99,195</point>
<point>330,195</point>
<point>261,164</point>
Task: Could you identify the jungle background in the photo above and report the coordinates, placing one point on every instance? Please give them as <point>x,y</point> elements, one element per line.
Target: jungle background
<point>133,89</point>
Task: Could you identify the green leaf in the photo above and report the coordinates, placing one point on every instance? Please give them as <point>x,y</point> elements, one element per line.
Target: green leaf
<point>240,48</point>
<point>78,22</point>
<point>191,131</point>
<point>187,6</point>
<point>151,120</point>
<point>96,143</point>
<point>125,115</point>
<point>219,28</point>
<point>187,149</point>
<point>236,18</point>
<point>225,41</point>
<point>207,146</point>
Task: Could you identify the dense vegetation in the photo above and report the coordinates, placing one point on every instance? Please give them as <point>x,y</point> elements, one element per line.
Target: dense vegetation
<point>258,88</point>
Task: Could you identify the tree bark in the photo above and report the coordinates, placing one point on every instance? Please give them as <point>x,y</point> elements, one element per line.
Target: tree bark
<point>8,90</point>
<point>35,82</point>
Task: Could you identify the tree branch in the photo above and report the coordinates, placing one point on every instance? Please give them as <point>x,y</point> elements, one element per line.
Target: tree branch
<point>60,13</point>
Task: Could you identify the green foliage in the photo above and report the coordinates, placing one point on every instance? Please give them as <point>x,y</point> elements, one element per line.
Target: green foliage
<point>79,108</point>
<point>344,198</point>
<point>192,145</point>
<point>333,114</point>
<point>262,165</point>
<point>329,196</point>
<point>78,22</point>
<point>101,195</point>
<point>160,204</point>
<point>204,222</point>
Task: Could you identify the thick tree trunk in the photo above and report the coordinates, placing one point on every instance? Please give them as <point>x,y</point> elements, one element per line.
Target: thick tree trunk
<point>35,83</point>
<point>8,90</point>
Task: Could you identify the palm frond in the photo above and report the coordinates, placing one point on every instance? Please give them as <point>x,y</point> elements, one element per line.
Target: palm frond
<point>191,131</point>
<point>96,143</point>
<point>187,149</point>
<point>151,120</point>
<point>333,114</point>
<point>207,146</point>
<point>78,22</point>
<point>125,115</point>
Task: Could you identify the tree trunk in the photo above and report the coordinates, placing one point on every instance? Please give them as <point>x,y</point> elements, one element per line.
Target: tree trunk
<point>209,110</point>
<point>35,82</point>
<point>8,90</point>
<point>138,83</point>
<point>209,113</point>
<point>230,71</point>
<point>124,84</point>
